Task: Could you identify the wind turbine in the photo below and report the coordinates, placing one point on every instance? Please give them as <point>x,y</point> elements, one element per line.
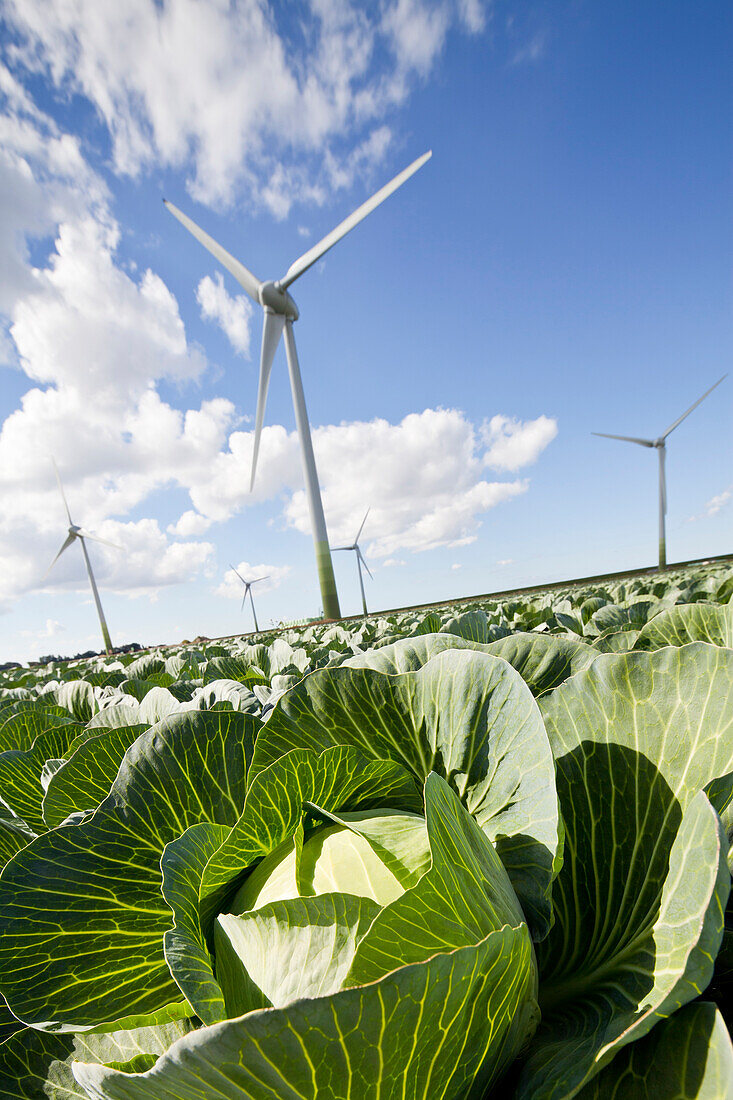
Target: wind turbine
<point>359,561</point>
<point>248,589</point>
<point>76,532</point>
<point>661,447</point>
<point>280,313</point>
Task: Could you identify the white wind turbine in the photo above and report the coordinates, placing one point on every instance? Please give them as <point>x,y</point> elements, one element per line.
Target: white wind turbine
<point>280,313</point>
<point>359,561</point>
<point>76,532</point>
<point>661,447</point>
<point>248,590</point>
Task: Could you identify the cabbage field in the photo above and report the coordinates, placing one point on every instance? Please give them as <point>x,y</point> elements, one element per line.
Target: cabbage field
<point>480,851</point>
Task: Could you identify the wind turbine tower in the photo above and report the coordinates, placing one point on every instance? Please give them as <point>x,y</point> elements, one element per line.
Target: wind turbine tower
<point>660,443</point>
<point>248,591</point>
<point>280,313</point>
<point>79,533</point>
<point>359,561</point>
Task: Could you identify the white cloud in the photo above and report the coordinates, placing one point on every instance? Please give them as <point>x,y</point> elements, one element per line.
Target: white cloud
<point>473,15</point>
<point>43,179</point>
<point>190,523</point>
<point>714,505</point>
<point>96,341</point>
<point>417,32</point>
<point>456,565</point>
<point>232,314</point>
<point>146,561</point>
<point>51,629</point>
<point>89,328</point>
<point>390,562</point>
<point>221,87</point>
<point>515,443</point>
<point>231,588</point>
<point>423,480</point>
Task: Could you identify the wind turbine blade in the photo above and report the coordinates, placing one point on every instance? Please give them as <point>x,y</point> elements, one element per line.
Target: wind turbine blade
<point>244,277</point>
<point>335,548</point>
<point>356,540</point>
<point>244,597</point>
<point>364,563</point>
<point>265,578</point>
<point>67,543</point>
<point>313,254</point>
<point>238,574</point>
<point>626,438</point>
<point>95,538</point>
<point>271,333</point>
<point>684,414</point>
<point>61,490</point>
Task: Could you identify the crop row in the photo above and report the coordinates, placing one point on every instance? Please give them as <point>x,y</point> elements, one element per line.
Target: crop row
<point>464,854</point>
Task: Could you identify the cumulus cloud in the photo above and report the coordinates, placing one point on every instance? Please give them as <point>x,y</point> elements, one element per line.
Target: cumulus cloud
<point>95,341</point>
<point>423,480</point>
<point>231,588</point>
<point>513,443</point>
<point>43,179</point>
<point>87,327</point>
<point>224,89</point>
<point>233,315</point>
<point>188,524</point>
<point>144,562</point>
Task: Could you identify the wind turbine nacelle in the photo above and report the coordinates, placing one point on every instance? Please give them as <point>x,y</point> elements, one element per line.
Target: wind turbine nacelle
<point>658,443</point>
<point>272,297</point>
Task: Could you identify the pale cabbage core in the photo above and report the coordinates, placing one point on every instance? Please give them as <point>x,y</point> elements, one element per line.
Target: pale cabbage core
<point>337,859</point>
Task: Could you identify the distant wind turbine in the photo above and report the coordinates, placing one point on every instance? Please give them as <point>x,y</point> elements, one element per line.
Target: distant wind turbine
<point>359,561</point>
<point>76,532</point>
<point>248,590</point>
<point>661,447</point>
<point>280,313</point>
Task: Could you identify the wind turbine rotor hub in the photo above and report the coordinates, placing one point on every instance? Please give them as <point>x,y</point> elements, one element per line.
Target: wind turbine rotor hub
<point>658,443</point>
<point>277,300</point>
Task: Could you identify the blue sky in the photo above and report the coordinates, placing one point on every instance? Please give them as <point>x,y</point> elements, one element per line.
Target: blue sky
<point>560,266</point>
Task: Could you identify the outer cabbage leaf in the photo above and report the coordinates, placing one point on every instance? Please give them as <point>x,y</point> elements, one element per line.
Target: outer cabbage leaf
<point>83,902</point>
<point>21,786</point>
<point>37,1066</point>
<point>467,716</point>
<point>636,737</point>
<point>542,660</point>
<point>686,1057</point>
<point>695,622</point>
<point>14,835</point>
<point>410,654</point>
<point>20,730</point>
<point>87,776</point>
